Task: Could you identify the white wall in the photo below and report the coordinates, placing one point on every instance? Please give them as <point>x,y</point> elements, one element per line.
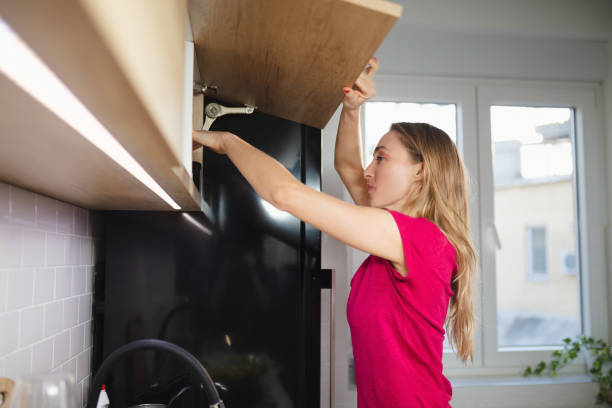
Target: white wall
<point>47,250</point>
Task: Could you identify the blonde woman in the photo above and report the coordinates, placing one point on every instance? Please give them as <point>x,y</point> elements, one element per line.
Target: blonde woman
<point>411,215</point>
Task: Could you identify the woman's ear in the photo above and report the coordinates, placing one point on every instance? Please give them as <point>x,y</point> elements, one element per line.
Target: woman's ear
<point>419,172</point>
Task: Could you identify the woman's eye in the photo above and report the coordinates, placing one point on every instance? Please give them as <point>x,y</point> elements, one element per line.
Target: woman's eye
<point>378,157</point>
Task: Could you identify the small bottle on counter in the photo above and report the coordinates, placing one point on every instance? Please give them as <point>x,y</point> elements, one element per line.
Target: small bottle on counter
<point>103,401</point>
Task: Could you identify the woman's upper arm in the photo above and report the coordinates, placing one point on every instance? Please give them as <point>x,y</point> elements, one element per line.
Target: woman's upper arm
<point>355,184</point>
<point>369,229</point>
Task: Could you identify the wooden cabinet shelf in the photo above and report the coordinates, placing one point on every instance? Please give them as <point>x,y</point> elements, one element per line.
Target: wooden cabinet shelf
<point>290,58</point>
<point>125,62</point>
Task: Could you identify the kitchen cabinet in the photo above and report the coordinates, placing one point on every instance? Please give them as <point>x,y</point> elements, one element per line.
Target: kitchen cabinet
<point>130,65</point>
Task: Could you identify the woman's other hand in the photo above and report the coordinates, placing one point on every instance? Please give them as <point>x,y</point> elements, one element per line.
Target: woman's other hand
<point>209,138</point>
<point>363,89</point>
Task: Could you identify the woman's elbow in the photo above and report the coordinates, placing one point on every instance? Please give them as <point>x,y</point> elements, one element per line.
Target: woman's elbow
<point>281,196</point>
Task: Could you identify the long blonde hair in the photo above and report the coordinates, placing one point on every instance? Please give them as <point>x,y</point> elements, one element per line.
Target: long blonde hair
<point>443,199</point>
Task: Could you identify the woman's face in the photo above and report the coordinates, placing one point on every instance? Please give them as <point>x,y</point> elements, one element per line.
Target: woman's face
<point>392,175</point>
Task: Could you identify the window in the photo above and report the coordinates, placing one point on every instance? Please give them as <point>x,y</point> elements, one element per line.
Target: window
<point>537,265</point>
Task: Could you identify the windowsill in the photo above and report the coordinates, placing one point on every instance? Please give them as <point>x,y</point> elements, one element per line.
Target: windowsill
<point>506,381</point>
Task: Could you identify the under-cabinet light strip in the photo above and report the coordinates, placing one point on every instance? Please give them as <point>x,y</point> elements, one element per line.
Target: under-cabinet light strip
<point>19,63</point>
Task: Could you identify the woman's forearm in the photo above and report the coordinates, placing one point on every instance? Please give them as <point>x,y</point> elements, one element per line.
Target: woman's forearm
<point>264,173</point>
<point>348,151</point>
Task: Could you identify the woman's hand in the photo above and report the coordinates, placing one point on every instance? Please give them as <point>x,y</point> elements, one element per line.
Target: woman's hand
<point>209,138</point>
<point>363,89</point>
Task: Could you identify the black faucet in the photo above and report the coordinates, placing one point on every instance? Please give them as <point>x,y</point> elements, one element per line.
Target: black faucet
<point>195,365</point>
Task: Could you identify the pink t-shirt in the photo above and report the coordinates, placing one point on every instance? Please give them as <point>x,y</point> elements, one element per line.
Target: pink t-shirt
<point>397,323</point>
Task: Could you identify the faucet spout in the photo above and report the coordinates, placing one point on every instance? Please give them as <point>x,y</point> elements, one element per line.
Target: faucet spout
<point>184,355</point>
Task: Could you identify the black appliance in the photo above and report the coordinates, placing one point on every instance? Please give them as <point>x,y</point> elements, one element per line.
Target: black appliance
<point>240,289</point>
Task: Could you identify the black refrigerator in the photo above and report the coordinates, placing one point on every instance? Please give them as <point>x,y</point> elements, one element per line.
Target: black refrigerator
<point>238,288</point>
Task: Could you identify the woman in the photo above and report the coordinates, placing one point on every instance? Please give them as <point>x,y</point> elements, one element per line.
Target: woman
<point>411,215</point>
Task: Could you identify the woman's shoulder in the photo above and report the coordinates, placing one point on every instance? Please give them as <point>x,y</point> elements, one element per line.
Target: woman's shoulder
<point>422,227</point>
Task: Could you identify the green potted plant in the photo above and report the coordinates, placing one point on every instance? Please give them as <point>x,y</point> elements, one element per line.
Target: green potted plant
<point>598,356</point>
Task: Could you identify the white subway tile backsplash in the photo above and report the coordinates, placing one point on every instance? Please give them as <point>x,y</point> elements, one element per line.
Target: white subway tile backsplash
<point>77,336</point>
<point>83,362</point>
<point>85,257</point>
<point>70,368</point>
<point>80,221</point>
<point>10,332</point>
<point>46,213</point>
<point>20,288</point>
<point>79,277</point>
<point>3,290</point>
<point>71,312</point>
<point>20,363</point>
<point>87,340</point>
<point>84,308</point>
<point>11,242</point>
<point>32,329</point>
<point>63,282</point>
<point>46,272</point>
<point>23,207</point>
<point>61,348</point>
<point>33,247</point>
<point>56,249</point>
<point>44,285</point>
<point>65,218</point>
<point>54,318</point>
<point>42,356</point>
<point>73,251</point>
<point>4,203</point>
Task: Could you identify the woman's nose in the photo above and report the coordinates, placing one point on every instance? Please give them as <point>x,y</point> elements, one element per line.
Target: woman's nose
<point>367,173</point>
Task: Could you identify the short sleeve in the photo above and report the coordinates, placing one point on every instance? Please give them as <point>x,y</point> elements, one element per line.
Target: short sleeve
<point>425,246</point>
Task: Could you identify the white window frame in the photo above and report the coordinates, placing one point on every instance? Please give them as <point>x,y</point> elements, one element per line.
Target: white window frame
<point>473,97</point>
<point>591,192</point>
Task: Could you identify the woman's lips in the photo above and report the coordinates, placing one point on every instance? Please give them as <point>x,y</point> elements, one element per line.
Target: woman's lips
<point>370,188</point>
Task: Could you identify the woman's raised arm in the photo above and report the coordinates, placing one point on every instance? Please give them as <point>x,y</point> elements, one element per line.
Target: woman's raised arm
<point>348,152</point>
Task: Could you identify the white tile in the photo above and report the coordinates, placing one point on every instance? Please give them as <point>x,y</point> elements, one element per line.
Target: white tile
<point>63,282</point>
<point>9,322</point>
<point>88,280</point>
<point>11,242</point>
<point>61,348</point>
<point>46,213</point>
<point>42,356</point>
<point>69,367</point>
<point>83,364</point>
<point>33,247</point>
<point>44,285</point>
<point>5,207</point>
<point>65,217</point>
<point>56,249</point>
<point>85,384</point>
<point>80,221</point>
<point>2,364</point>
<point>54,318</point>
<point>3,289</point>
<point>31,325</point>
<point>19,364</point>
<point>79,277</point>
<point>76,340</point>
<point>87,334</point>
<point>23,207</point>
<point>73,251</point>
<point>71,312</point>
<point>85,257</point>
<point>20,288</point>
<point>84,308</point>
